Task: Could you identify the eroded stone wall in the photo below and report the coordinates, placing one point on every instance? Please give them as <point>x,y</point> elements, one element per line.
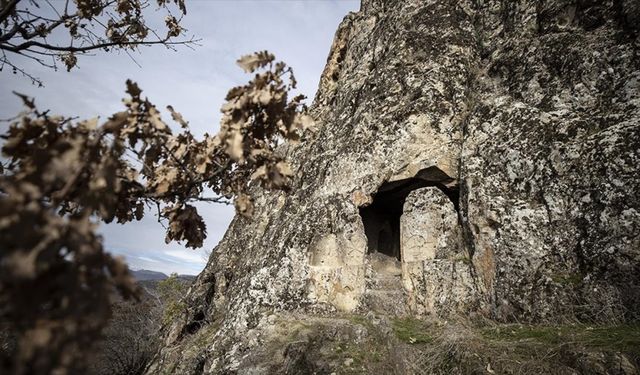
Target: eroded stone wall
<point>532,107</point>
<point>435,264</point>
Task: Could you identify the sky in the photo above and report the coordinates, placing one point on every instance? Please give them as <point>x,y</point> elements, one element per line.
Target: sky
<point>194,82</point>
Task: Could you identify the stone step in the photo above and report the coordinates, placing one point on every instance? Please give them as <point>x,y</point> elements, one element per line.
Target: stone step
<point>386,283</point>
<point>386,301</point>
<point>385,265</point>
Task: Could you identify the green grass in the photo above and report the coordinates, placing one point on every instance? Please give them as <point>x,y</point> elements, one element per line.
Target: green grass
<point>546,335</point>
<point>362,353</point>
<point>619,338</point>
<point>412,331</point>
<point>624,337</point>
<point>567,279</point>
<point>360,320</point>
<point>513,348</point>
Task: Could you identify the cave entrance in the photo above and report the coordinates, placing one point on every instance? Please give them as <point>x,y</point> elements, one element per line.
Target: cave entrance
<point>381,218</point>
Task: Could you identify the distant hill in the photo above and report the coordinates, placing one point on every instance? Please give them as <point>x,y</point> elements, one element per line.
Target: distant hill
<point>147,275</point>
<point>187,277</point>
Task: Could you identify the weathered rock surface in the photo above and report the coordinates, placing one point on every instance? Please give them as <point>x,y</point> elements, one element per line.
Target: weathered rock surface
<point>492,148</point>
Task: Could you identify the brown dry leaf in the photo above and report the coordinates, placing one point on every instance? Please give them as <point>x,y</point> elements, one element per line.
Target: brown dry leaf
<point>244,205</point>
<point>155,120</point>
<point>203,160</point>
<point>165,179</point>
<point>22,264</point>
<point>284,169</point>
<point>305,121</point>
<point>173,25</point>
<point>69,59</point>
<point>235,92</point>
<point>115,122</point>
<point>185,224</point>
<point>264,97</point>
<point>259,173</point>
<point>122,278</point>
<point>235,146</point>
<point>279,175</point>
<point>139,213</point>
<point>133,89</point>
<point>177,117</point>
<point>90,124</point>
<point>249,63</point>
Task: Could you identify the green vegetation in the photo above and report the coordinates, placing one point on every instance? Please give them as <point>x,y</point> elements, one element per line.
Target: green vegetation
<point>171,288</point>
<point>546,335</point>
<point>205,335</point>
<point>359,319</point>
<point>624,338</point>
<point>355,358</point>
<point>567,279</point>
<point>358,344</point>
<point>172,310</point>
<point>461,347</point>
<point>171,291</point>
<point>463,258</point>
<point>412,331</point>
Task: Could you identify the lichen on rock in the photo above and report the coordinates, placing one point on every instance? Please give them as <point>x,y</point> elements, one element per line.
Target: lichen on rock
<point>504,137</point>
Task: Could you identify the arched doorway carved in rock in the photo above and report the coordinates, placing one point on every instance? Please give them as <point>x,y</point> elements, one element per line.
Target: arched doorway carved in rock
<point>381,218</point>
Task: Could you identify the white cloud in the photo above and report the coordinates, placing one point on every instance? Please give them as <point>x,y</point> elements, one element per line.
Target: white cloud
<point>147,259</point>
<point>185,256</point>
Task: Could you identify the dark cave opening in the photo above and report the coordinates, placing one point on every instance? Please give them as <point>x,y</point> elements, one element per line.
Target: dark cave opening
<point>381,219</point>
<point>196,323</point>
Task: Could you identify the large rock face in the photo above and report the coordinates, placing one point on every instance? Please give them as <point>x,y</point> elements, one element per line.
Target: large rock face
<point>487,150</point>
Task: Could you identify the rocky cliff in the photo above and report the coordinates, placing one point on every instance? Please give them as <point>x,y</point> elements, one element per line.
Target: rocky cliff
<point>473,160</point>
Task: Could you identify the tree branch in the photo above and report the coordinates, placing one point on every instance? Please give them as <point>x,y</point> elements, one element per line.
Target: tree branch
<point>14,30</point>
<point>48,30</point>
<point>4,60</point>
<point>21,47</point>
<point>6,12</point>
<point>222,200</point>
